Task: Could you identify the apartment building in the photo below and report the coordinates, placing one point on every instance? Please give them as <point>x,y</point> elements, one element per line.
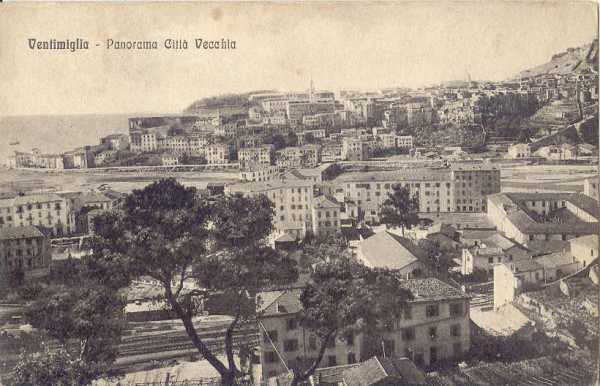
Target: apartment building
<point>299,156</point>
<point>325,216</point>
<point>23,248</point>
<point>355,149</point>
<point>519,150</point>
<point>434,327</point>
<point>259,155</point>
<point>48,211</point>
<point>219,153</point>
<point>292,200</point>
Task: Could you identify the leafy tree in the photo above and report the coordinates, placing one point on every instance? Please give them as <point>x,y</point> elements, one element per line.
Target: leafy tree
<point>278,141</point>
<point>57,367</point>
<point>170,233</point>
<point>344,298</point>
<point>524,136</point>
<point>83,315</point>
<point>310,138</point>
<point>400,209</point>
<point>292,139</point>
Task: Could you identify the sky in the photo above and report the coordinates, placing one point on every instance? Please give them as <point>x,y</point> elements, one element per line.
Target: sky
<point>278,46</point>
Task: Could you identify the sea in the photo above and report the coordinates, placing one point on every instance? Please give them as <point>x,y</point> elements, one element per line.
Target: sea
<point>56,133</point>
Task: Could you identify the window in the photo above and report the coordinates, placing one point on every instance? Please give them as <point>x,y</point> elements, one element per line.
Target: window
<point>433,354</point>
<point>408,312</point>
<point>419,359</point>
<point>312,342</point>
<point>331,342</point>
<point>456,309</point>
<point>389,346</point>
<point>270,357</point>
<point>271,334</point>
<point>408,334</point>
<point>457,349</point>
<point>351,358</point>
<point>292,324</point>
<point>490,260</point>
<point>290,345</point>
<point>433,333</point>
<point>455,330</point>
<point>432,310</point>
<point>331,361</point>
<point>350,339</point>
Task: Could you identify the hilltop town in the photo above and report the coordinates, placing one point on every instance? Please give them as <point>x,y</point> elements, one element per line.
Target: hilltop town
<point>476,202</point>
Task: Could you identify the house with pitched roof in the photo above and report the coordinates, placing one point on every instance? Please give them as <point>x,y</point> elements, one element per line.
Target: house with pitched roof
<point>25,249</point>
<point>387,250</point>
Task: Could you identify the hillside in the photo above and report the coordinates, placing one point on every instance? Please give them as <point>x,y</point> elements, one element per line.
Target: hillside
<point>573,59</point>
<point>221,101</point>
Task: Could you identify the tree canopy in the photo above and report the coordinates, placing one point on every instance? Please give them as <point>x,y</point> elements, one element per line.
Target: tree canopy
<point>400,209</point>
<point>171,234</point>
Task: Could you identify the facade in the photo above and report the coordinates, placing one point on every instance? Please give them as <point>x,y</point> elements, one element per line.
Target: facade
<point>259,173</point>
<point>519,150</point>
<point>169,159</point>
<point>591,187</point>
<point>35,159</point>
<point>526,217</point>
<point>512,279</point>
<point>299,156</point>
<point>23,248</point>
<point>325,216</point>
<point>355,149</point>
<point>454,189</point>
<point>260,155</point>
<point>218,153</point>
<point>48,211</point>
<point>292,200</point>
<point>494,249</point>
<point>435,327</point>
<point>584,249</point>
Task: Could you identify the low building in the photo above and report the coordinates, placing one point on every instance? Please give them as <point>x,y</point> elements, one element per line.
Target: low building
<point>260,173</point>
<point>492,250</point>
<point>387,250</point>
<point>519,150</point>
<point>512,279</point>
<point>526,217</point>
<point>24,249</point>
<point>299,156</point>
<point>584,249</point>
<point>591,187</point>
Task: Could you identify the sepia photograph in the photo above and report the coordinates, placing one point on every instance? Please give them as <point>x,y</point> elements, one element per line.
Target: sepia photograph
<point>285,193</point>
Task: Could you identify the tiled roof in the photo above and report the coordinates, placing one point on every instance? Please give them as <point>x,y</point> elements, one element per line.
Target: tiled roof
<point>417,174</point>
<point>526,265</point>
<point>273,303</point>
<point>92,197</point>
<point>263,186</point>
<point>36,198</point>
<point>14,233</point>
<point>400,371</point>
<point>386,250</point>
<point>431,288</point>
<point>325,202</point>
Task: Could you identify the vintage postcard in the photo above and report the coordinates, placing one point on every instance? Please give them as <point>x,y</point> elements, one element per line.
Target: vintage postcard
<point>299,193</point>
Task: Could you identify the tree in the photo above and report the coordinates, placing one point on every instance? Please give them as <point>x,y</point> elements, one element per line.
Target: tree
<point>55,367</point>
<point>400,209</point>
<point>171,234</point>
<point>84,316</point>
<point>524,135</point>
<point>344,298</point>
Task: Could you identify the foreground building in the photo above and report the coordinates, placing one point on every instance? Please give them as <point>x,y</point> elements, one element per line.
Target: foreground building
<point>48,211</point>
<point>24,249</point>
<point>435,327</point>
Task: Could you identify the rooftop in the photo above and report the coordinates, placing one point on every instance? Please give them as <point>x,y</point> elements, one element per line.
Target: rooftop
<point>386,250</point>
<point>431,288</point>
<point>15,233</point>
<point>264,186</point>
<point>589,241</point>
<point>400,371</point>
<point>417,174</point>
<point>324,202</point>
